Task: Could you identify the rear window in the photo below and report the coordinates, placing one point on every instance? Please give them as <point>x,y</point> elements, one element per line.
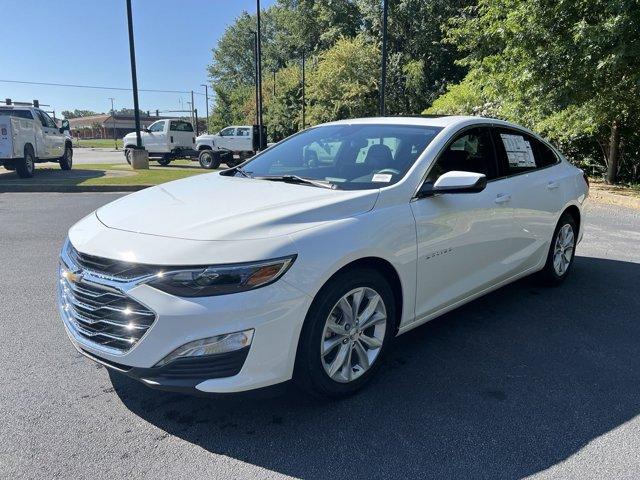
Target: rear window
<point>180,126</point>
<point>16,113</point>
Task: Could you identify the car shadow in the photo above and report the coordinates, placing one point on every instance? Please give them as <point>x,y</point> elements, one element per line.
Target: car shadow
<point>503,387</point>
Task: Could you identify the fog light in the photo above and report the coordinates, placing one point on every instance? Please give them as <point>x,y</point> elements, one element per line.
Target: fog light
<point>228,342</point>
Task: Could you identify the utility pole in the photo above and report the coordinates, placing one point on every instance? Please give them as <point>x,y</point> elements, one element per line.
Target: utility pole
<point>134,79</point>
<point>259,53</point>
<point>192,107</point>
<point>113,120</point>
<point>303,92</point>
<point>383,79</point>
<point>206,99</point>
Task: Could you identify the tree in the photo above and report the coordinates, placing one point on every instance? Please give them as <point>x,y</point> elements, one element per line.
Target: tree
<point>344,83</point>
<point>78,113</point>
<point>568,69</point>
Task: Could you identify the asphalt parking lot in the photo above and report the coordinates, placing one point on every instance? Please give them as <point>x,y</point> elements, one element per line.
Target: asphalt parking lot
<point>526,381</point>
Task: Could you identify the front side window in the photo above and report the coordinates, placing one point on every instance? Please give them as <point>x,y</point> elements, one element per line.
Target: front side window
<point>351,157</point>
<point>470,151</point>
<point>228,132</point>
<point>45,119</point>
<point>180,126</point>
<point>157,126</point>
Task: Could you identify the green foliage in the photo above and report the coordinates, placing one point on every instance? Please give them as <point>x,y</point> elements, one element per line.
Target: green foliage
<point>78,113</point>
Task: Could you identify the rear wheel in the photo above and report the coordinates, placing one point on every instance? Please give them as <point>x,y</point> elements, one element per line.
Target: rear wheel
<point>208,159</point>
<point>127,154</point>
<point>561,251</point>
<point>165,160</point>
<point>27,166</point>
<point>66,161</point>
<point>347,330</point>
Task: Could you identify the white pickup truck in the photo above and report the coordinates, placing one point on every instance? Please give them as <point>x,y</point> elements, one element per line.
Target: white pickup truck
<point>165,140</point>
<point>232,145</point>
<point>28,136</point>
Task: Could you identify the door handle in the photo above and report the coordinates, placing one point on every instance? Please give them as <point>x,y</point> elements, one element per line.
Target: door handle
<point>552,185</point>
<point>503,198</point>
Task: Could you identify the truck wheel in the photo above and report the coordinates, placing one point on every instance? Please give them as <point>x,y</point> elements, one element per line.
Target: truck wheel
<point>209,160</point>
<point>232,162</point>
<point>9,165</point>
<point>66,161</point>
<point>164,160</point>
<point>127,155</point>
<point>27,166</point>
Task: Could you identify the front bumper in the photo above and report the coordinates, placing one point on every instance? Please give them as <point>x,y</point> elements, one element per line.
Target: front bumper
<point>275,313</point>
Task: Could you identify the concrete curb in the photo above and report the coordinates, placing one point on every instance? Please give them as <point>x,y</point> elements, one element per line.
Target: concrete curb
<point>27,188</point>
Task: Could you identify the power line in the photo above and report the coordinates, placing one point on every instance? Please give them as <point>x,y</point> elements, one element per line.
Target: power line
<point>97,87</point>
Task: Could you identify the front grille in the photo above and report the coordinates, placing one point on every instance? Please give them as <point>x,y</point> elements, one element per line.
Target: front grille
<point>94,303</point>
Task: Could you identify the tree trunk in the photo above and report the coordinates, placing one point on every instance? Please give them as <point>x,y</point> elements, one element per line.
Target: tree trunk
<point>614,143</point>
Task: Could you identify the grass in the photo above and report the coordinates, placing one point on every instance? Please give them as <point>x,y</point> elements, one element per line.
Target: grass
<point>96,143</point>
<point>154,176</point>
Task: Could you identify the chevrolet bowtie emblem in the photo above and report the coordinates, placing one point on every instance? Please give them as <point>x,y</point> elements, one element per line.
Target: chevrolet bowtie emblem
<point>74,276</point>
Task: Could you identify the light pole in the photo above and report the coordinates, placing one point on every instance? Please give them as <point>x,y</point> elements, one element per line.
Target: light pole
<point>303,92</point>
<point>113,120</point>
<point>259,55</point>
<point>206,99</point>
<point>383,79</point>
<point>192,106</point>
<point>134,79</point>
<point>255,74</point>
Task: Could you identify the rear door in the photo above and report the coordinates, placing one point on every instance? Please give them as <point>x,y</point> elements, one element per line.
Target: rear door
<point>536,198</point>
<point>181,134</point>
<point>464,239</point>
<point>243,139</point>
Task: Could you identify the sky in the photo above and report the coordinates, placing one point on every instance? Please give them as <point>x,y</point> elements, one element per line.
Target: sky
<point>85,42</point>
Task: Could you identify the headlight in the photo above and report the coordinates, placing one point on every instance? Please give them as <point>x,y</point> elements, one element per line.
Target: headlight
<point>221,279</point>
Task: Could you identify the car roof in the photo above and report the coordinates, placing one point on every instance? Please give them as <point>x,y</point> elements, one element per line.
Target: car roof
<point>427,121</point>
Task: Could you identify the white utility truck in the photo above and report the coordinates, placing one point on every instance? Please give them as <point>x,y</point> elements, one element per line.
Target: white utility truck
<point>165,140</point>
<point>231,145</point>
<point>28,135</point>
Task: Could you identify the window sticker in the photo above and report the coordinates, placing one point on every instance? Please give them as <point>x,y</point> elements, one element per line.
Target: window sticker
<point>381,177</point>
<point>519,152</point>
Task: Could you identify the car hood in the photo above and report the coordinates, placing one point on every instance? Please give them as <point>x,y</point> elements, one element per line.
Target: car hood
<point>215,207</point>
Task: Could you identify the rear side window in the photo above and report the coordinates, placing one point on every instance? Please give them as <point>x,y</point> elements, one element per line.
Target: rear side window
<point>16,113</point>
<point>545,156</point>
<point>180,126</point>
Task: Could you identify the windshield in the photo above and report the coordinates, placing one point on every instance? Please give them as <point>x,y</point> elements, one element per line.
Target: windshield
<point>351,157</point>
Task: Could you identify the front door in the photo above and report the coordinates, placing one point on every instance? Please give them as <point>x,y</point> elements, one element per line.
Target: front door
<point>155,141</point>
<point>53,140</point>
<point>464,239</point>
<point>227,135</point>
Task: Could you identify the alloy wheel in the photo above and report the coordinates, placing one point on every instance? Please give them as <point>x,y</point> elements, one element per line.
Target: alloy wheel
<point>563,250</point>
<point>353,334</point>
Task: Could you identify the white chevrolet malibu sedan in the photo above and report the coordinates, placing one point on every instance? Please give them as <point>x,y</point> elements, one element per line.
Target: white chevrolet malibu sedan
<point>306,261</point>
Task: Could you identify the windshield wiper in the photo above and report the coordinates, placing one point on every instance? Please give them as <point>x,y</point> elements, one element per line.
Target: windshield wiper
<point>241,171</point>
<point>297,179</point>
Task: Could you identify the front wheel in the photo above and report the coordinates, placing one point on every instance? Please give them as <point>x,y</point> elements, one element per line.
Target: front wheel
<point>127,155</point>
<point>66,161</point>
<point>561,251</point>
<point>347,330</point>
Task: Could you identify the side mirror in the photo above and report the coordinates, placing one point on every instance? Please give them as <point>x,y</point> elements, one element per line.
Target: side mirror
<point>65,126</point>
<point>146,130</point>
<point>455,182</point>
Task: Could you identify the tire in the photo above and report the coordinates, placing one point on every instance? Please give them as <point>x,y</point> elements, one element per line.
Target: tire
<point>165,160</point>
<point>313,370</point>
<point>232,162</point>
<point>209,159</point>
<point>66,161</point>
<point>9,166</point>
<point>127,155</point>
<point>561,252</point>
<point>27,166</point>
